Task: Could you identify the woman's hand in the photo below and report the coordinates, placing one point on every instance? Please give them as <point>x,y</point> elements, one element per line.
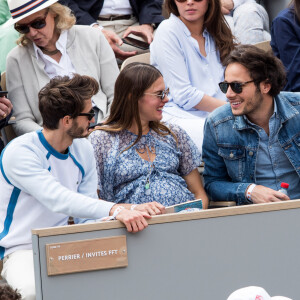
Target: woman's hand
<point>152,208</point>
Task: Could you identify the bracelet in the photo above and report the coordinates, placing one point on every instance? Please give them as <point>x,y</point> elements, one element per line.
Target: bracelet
<point>117,211</point>
<point>133,206</point>
<point>249,191</point>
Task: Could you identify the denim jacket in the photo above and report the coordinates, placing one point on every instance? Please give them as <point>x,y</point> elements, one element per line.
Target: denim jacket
<point>230,148</point>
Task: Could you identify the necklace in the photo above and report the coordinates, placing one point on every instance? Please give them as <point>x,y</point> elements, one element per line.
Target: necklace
<point>49,52</point>
<point>151,166</point>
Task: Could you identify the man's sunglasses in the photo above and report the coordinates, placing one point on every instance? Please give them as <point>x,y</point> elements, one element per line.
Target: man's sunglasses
<point>89,115</point>
<point>38,23</point>
<point>237,87</point>
<point>163,94</point>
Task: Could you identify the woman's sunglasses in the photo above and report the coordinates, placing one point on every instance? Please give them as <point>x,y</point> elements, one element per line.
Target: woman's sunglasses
<point>38,23</point>
<point>163,94</point>
<point>90,115</point>
<point>237,87</point>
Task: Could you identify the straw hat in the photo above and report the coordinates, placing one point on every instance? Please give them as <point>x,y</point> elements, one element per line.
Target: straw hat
<point>21,9</point>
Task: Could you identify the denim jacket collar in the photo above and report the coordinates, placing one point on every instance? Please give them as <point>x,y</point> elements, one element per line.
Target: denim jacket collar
<point>285,110</point>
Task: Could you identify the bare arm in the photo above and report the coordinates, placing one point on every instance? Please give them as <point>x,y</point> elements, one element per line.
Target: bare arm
<point>194,183</point>
<point>209,103</point>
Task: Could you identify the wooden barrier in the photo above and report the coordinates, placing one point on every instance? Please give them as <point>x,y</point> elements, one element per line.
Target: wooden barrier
<point>198,255</point>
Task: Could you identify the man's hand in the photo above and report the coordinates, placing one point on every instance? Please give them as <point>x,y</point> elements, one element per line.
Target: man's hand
<point>5,107</point>
<point>133,220</point>
<point>262,194</point>
<point>114,41</point>
<point>145,31</point>
<point>226,6</point>
<point>152,208</point>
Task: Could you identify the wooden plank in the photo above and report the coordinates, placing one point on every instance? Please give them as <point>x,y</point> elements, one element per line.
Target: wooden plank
<point>167,218</point>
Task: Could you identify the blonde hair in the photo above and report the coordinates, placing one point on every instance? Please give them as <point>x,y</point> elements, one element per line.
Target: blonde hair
<point>64,19</point>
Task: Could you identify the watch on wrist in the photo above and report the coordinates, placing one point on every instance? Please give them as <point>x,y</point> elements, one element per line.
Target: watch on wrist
<point>153,25</point>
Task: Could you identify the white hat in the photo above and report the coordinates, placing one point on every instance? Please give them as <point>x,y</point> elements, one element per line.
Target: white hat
<point>253,293</point>
<point>21,9</point>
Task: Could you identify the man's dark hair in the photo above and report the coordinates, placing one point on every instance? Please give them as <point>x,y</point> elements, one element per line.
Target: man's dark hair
<point>7,293</point>
<point>65,96</point>
<point>262,66</point>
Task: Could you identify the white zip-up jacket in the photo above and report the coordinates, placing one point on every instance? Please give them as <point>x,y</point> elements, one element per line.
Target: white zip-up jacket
<point>40,187</point>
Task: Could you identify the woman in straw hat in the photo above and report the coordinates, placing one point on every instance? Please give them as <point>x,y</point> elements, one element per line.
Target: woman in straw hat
<point>51,45</point>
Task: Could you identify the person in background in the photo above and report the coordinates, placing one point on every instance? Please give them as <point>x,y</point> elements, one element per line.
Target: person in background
<point>138,158</point>
<point>251,145</point>
<point>8,36</point>
<point>285,43</point>
<point>51,45</point>
<point>253,293</point>
<point>5,113</point>
<point>50,174</point>
<point>118,19</point>
<point>189,50</point>
<point>7,293</point>
<point>248,20</point>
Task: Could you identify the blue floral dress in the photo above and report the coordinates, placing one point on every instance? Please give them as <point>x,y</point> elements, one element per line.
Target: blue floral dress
<point>123,175</point>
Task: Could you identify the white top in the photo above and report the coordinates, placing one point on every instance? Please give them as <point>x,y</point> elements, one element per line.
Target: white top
<point>237,3</point>
<point>53,68</point>
<point>41,187</point>
<point>116,7</point>
<point>187,73</point>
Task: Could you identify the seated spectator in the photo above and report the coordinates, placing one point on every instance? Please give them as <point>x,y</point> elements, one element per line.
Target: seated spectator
<point>139,159</point>
<point>253,293</point>
<point>48,175</point>
<point>49,46</point>
<point>248,20</point>
<point>8,36</point>
<point>285,43</point>
<point>5,113</point>
<point>189,49</point>
<point>251,145</point>
<point>118,19</point>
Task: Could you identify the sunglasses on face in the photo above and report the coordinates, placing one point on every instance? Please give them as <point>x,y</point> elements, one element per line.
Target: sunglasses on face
<point>38,23</point>
<point>90,115</point>
<point>237,87</point>
<point>163,94</point>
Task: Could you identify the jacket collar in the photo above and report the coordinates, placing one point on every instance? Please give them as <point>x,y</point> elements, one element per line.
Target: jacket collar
<point>285,110</point>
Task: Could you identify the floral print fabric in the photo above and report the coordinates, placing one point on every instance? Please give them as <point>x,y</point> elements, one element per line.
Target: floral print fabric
<point>122,175</point>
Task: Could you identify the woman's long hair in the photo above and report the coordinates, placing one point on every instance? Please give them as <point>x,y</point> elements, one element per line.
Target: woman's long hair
<point>130,87</point>
<point>64,19</point>
<point>295,4</point>
<point>215,24</point>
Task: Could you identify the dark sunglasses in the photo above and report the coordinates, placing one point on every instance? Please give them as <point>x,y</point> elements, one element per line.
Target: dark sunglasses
<point>38,23</point>
<point>181,1</point>
<point>163,94</point>
<point>237,87</point>
<point>89,115</point>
